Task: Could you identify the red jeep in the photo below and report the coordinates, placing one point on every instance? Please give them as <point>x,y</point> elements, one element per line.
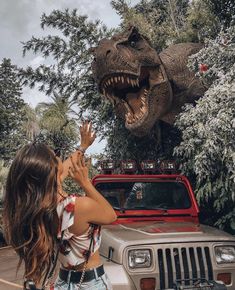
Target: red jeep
<point>157,241</point>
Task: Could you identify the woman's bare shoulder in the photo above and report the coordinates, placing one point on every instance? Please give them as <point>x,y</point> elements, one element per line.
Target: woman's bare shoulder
<point>83,207</point>
<point>83,203</point>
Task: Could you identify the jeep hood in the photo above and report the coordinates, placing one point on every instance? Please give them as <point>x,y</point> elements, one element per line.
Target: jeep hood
<point>120,236</point>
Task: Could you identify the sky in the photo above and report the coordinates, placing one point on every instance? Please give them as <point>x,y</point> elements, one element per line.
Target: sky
<point>20,20</point>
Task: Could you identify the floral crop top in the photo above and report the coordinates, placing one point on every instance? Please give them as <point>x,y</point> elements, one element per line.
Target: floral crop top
<point>74,248</point>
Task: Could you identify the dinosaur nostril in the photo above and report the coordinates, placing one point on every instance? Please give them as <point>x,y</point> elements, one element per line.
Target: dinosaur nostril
<point>108,52</point>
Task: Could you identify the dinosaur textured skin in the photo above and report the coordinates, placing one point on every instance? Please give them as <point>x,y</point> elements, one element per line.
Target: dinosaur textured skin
<point>142,85</point>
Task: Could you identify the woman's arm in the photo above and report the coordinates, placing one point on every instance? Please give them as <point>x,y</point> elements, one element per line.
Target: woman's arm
<point>93,208</point>
<point>87,138</point>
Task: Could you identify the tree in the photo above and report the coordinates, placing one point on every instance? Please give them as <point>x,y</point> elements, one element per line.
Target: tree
<point>30,125</point>
<point>70,74</point>
<point>3,176</point>
<point>57,126</point>
<point>207,151</point>
<point>223,9</point>
<point>171,21</point>
<point>12,109</point>
<point>200,23</point>
<point>122,146</point>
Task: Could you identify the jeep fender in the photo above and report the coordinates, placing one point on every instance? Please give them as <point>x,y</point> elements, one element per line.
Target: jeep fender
<point>118,276</point>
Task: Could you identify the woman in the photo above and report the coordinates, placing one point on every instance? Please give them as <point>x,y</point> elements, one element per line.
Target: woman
<point>37,212</point>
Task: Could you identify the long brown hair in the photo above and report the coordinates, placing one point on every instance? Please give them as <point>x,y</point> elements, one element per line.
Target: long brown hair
<point>30,201</point>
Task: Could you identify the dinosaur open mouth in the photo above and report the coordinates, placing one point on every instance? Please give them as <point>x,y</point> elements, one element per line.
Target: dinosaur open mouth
<point>130,93</point>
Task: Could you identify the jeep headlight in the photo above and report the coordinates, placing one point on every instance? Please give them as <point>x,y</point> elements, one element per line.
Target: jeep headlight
<point>225,254</point>
<point>139,258</point>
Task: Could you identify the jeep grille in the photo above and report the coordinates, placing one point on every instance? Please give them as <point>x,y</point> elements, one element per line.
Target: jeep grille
<point>183,263</point>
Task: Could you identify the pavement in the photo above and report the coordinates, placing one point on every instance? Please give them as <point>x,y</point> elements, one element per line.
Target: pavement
<point>9,279</point>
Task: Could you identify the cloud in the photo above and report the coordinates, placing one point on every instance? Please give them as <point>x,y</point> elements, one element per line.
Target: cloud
<point>15,16</point>
<point>33,97</point>
<point>38,60</point>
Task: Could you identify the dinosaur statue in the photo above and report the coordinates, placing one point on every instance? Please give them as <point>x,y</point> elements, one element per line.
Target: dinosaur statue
<point>145,86</point>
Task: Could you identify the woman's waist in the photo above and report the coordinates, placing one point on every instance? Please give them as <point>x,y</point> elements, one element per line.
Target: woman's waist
<point>78,276</point>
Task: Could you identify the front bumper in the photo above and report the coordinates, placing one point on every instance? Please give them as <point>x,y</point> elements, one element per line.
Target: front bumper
<point>199,285</point>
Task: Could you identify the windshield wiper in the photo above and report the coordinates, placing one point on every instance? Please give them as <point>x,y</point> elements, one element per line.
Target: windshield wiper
<point>159,208</point>
<point>122,210</point>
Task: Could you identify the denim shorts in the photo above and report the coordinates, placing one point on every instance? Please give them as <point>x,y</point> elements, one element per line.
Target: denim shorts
<point>101,283</point>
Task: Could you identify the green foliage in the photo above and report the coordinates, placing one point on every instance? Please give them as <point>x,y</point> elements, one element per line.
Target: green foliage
<point>223,9</point>
<point>218,56</point>
<point>174,21</point>
<point>208,148</point>
<point>12,111</point>
<point>58,128</point>
<point>200,23</point>
<point>30,125</point>
<point>69,75</point>
<point>171,21</point>
<point>3,176</point>
<point>71,186</point>
<point>158,144</point>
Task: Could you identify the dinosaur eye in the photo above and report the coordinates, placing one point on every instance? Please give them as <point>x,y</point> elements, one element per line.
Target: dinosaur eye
<point>133,43</point>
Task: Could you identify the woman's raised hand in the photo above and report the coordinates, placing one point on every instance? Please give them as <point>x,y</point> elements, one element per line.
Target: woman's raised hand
<point>87,135</point>
<point>79,170</point>
<point>87,138</point>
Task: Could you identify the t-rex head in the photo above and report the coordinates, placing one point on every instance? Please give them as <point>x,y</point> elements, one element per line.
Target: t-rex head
<point>130,74</point>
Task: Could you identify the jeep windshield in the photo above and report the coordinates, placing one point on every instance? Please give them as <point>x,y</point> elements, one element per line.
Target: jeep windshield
<point>161,195</point>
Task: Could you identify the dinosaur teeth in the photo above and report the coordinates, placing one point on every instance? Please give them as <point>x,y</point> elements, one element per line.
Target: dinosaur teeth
<point>137,116</point>
<point>123,79</point>
<point>129,118</point>
<point>145,92</point>
<point>143,99</point>
<point>140,115</point>
<point>143,110</point>
<point>127,107</point>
